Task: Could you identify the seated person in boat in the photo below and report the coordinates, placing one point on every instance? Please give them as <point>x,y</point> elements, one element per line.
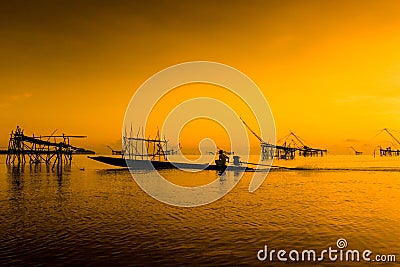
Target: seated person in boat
<point>222,158</point>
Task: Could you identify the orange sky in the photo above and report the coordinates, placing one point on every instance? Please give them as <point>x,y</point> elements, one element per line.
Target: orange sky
<point>329,69</point>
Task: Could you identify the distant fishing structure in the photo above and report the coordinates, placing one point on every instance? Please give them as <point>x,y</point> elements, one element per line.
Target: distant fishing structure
<point>49,149</point>
<point>291,144</point>
<point>292,141</point>
<point>115,152</point>
<point>389,151</point>
<point>357,153</point>
<point>267,149</point>
<point>174,150</point>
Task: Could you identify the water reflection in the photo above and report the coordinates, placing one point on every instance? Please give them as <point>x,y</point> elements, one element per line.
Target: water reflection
<point>16,178</point>
<point>237,175</point>
<point>35,167</point>
<point>102,217</point>
<point>31,178</point>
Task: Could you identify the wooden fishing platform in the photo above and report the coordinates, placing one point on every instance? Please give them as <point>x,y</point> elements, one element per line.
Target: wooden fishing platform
<point>356,152</point>
<point>291,146</point>
<point>37,149</point>
<point>389,151</point>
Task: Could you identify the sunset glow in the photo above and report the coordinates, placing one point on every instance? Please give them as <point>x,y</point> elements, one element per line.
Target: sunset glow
<point>330,70</point>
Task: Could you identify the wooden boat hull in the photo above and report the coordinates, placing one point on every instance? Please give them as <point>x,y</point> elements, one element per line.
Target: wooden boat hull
<point>149,165</point>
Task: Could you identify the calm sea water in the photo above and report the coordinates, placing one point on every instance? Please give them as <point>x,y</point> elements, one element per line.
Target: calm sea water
<point>100,217</point>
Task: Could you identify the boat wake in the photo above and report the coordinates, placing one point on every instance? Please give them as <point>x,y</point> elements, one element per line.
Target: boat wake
<point>366,169</point>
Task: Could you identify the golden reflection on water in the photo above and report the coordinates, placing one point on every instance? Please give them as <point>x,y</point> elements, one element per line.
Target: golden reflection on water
<point>101,216</point>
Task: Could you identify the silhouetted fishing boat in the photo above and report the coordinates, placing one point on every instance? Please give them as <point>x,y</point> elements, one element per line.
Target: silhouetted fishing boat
<point>155,164</point>
<point>139,153</point>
